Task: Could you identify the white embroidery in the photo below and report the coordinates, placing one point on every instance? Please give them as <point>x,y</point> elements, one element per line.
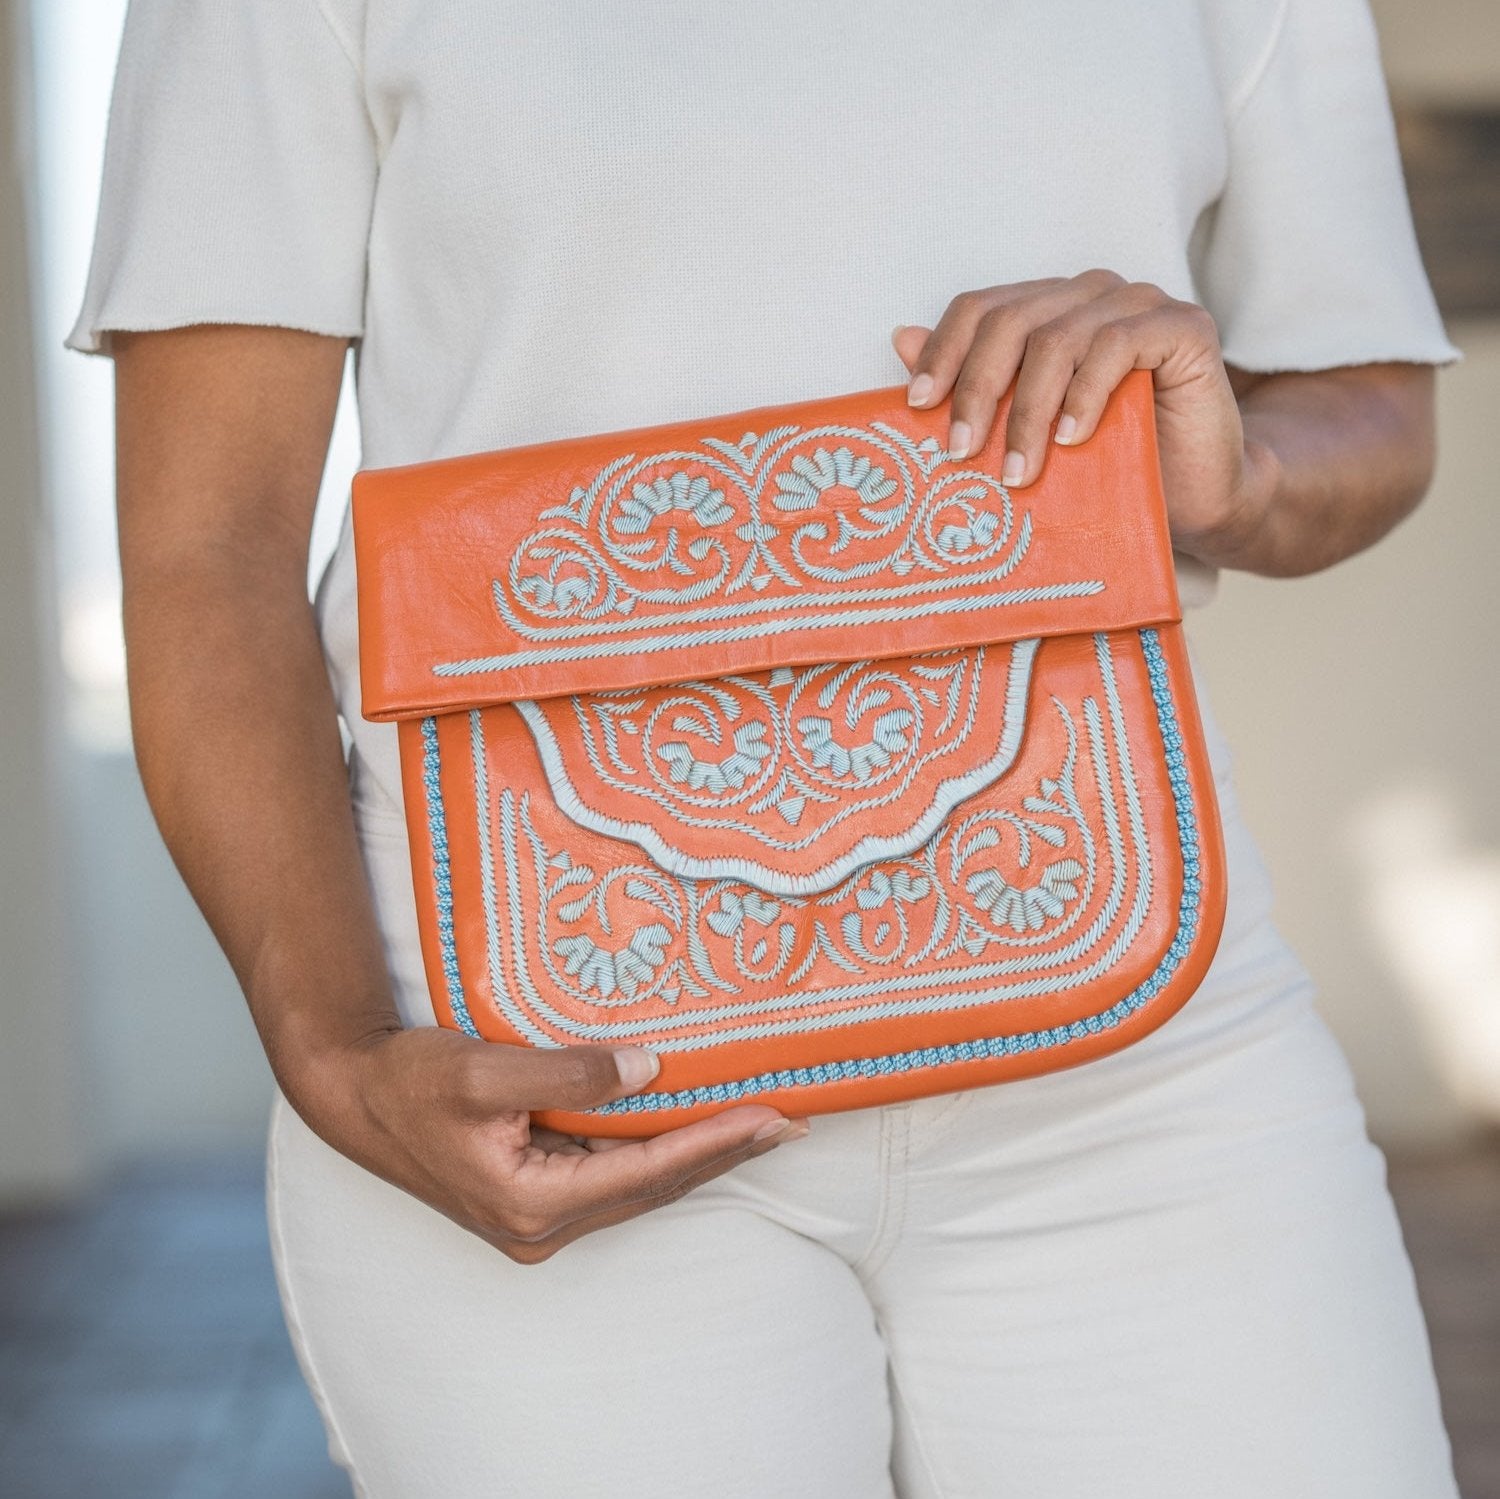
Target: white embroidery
<point>899,719</point>
<point>857,525</point>
<point>887,978</point>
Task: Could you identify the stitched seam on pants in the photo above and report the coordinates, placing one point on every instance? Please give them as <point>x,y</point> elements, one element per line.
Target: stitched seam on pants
<point>914,1435</point>
<point>895,1145</point>
<point>293,1317</point>
<point>936,1128</point>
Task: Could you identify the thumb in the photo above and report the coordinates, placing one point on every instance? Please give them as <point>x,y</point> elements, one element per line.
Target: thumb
<point>566,1077</point>
<point>908,340</point>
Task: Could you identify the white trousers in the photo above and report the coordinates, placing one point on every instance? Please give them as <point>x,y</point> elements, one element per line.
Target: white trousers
<point>1172,1273</point>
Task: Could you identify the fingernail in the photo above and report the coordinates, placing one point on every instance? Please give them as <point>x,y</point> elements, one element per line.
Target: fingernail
<point>959,438</point>
<point>636,1067</point>
<point>919,390</point>
<point>780,1130</point>
<point>898,330</point>
<point>1014,468</point>
<point>1066,426</point>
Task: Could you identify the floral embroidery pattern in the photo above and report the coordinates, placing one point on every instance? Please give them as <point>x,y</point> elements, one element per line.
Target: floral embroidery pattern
<point>699,533</point>
<point>1027,909</point>
<point>958,896</point>
<point>808,478</point>
<point>732,957</point>
<point>888,738</point>
<point>785,777</point>
<point>678,491</point>
<point>730,773</point>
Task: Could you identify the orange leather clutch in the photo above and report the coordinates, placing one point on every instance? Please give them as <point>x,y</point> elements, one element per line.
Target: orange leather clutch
<point>790,748</point>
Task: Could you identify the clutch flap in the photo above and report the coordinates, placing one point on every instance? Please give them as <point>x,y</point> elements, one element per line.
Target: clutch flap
<point>783,537</point>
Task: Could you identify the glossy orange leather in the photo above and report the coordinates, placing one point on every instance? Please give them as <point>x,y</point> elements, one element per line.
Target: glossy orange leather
<point>790,748</point>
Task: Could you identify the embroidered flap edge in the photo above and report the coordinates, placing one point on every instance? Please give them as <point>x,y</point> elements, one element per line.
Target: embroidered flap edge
<point>787,536</point>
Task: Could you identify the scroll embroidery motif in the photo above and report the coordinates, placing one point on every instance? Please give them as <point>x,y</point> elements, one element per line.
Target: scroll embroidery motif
<point>779,777</point>
<point>787,529</point>
<point>1189,917</point>
<point>1033,893</point>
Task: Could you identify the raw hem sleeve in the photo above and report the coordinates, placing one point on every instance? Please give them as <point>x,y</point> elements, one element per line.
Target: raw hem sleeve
<point>239,175</point>
<point>1309,260</point>
<point>98,338</point>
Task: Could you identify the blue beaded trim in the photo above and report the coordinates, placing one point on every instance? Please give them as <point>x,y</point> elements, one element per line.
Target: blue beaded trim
<point>984,1048</point>
<point>442,873</point>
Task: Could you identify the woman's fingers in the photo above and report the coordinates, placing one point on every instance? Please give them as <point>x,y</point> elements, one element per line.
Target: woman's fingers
<point>946,351</point>
<point>447,1118</point>
<point>1064,344</point>
<point>908,341</point>
<point>533,1251</point>
<point>544,1194</point>
<point>1115,350</point>
<point>998,320</point>
<point>645,1171</point>
<point>1013,342</point>
<point>1053,354</point>
<point>554,1142</point>
<point>1000,342</point>
<point>946,348</point>
<point>542,1182</point>
<point>1178,340</point>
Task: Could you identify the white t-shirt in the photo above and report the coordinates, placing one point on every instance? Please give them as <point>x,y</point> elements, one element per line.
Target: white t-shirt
<point>546,220</point>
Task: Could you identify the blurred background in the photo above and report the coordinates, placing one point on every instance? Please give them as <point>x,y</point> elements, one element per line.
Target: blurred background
<point>141,1345</point>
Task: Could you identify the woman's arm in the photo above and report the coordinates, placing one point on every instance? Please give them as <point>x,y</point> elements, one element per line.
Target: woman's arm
<point>1339,457</point>
<point>1279,474</point>
<point>222,434</point>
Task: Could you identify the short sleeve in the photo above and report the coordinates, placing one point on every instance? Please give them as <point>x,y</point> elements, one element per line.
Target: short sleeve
<point>239,174</point>
<point>1310,260</point>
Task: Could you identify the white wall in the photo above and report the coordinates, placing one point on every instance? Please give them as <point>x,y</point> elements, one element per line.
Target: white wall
<point>174,1065</point>
<point>1441,49</point>
<point>41,1144</point>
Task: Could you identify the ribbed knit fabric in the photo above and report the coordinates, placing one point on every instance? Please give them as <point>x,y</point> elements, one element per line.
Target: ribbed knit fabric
<point>548,220</point>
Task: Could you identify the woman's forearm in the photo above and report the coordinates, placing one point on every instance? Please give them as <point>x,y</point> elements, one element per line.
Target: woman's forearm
<point>1334,460</point>
<point>222,433</point>
<point>239,751</point>
<point>221,436</point>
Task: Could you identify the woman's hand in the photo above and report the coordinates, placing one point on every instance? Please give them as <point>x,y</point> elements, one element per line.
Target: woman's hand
<point>1280,474</point>
<point>1067,343</point>
<point>446,1118</point>
<point>222,436</point>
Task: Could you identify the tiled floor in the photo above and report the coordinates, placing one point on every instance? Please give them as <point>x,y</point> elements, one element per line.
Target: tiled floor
<point>142,1353</point>
<point>1450,1208</point>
